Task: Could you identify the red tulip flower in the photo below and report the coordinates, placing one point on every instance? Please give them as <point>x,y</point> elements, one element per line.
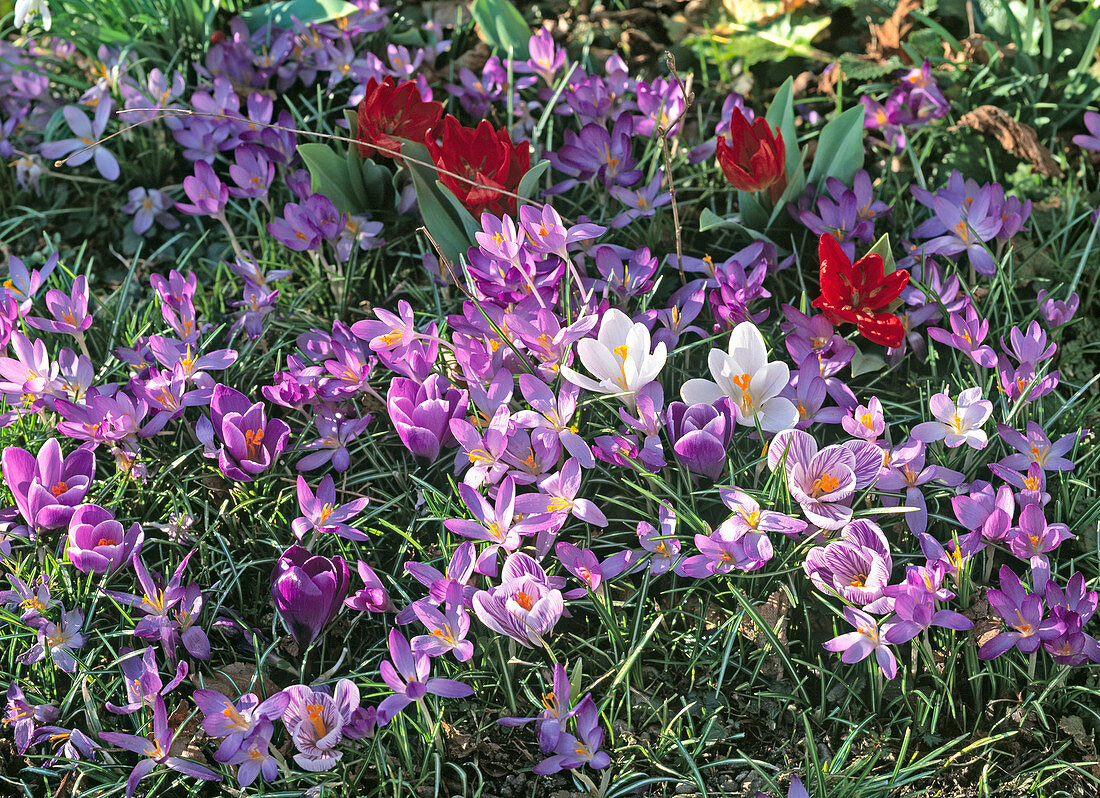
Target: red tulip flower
<point>487,157</point>
<point>859,292</point>
<point>388,113</point>
<point>755,158</point>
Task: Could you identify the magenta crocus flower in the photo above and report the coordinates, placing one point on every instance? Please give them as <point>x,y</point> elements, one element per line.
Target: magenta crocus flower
<point>547,234</point>
<point>46,487</point>
<point>321,513</point>
<point>916,613</point>
<point>967,334</point>
<point>317,722</point>
<point>85,144</point>
<point>447,630</point>
<point>156,750</point>
<point>956,425</point>
<point>250,442</point>
<point>1036,447</point>
<point>858,645</point>
<point>584,565</point>
<point>141,677</point>
<point>116,418</point>
<point>208,194</point>
<point>253,173</point>
<point>237,722</point>
<point>547,59</point>
<point>494,523</point>
<point>60,639</point>
<point>31,600</point>
<point>523,606</point>
<point>23,283</point>
<point>421,412</point>
<point>22,716</point>
<point>373,596</point>
<point>983,509</point>
<point>1033,538</point>
<point>730,547</point>
<point>308,591</point>
<point>661,543</point>
<point>409,676</point>
<point>69,311</point>
<point>574,751</point>
<point>1022,613</point>
<point>558,494</point>
<point>97,542</point>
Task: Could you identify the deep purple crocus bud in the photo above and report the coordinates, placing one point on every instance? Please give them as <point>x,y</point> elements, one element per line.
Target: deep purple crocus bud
<point>251,442</point>
<point>308,591</point>
<point>97,543</point>
<point>422,412</point>
<point>47,488</point>
<point>701,434</point>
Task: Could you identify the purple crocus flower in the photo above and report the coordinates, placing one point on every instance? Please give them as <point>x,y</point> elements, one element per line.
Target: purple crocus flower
<point>523,606</point>
<point>495,523</point>
<point>574,751</point>
<point>156,749</point>
<point>917,612</point>
<point>1057,312</point>
<point>482,453</point>
<point>905,470</point>
<point>730,547</point>
<point>373,596</point>
<point>250,442</point>
<point>865,422</point>
<point>983,509</point>
<point>554,413</point>
<point>336,431</point>
<point>141,677</point>
<point>661,543</point>
<point>596,153</point>
<point>46,487</point>
<point>1036,447</point>
<point>954,557</point>
<point>253,173</point>
<point>321,513</point>
<point>584,565</point>
<point>1033,538</point>
<point>69,311</point>
<point>236,722</point>
<point>956,424</point>
<point>856,567</point>
<point>460,569</point>
<point>149,205</point>
<point>308,591</point>
<point>23,283</point>
<point>1090,140</point>
<point>408,677</point>
<point>858,645</point>
<point>749,516</point>
<point>421,412</point>
<point>23,717</point>
<point>701,434</point>
<point>1022,613</point>
<point>967,334</point>
<point>254,759</point>
<point>558,494</point>
<point>85,144</point>
<point>208,194</point>
<point>60,639</point>
<point>97,542</point>
<point>1072,609</point>
<point>447,629</point>
<point>317,722</point>
<point>556,710</point>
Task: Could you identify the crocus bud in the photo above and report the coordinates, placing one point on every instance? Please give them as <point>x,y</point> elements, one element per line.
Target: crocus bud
<point>97,544</point>
<point>422,413</point>
<point>701,434</point>
<point>308,591</point>
<point>755,158</point>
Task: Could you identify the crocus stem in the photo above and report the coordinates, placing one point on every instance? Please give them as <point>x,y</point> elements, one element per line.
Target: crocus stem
<point>82,344</point>
<point>1031,665</point>
<point>232,236</point>
<point>307,664</point>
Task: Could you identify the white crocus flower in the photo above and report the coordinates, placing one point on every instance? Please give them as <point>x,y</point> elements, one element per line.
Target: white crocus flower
<point>26,10</point>
<point>748,379</point>
<point>619,357</point>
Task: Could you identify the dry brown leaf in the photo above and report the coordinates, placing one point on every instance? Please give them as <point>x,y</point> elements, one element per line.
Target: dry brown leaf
<point>975,51</point>
<point>886,38</point>
<point>236,679</point>
<point>987,623</point>
<point>1016,137</point>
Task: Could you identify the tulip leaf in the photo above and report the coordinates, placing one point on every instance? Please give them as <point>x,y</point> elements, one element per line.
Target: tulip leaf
<point>882,249</point>
<point>283,14</point>
<point>355,164</point>
<point>440,219</point>
<point>503,27</point>
<point>754,215</point>
<point>469,224</point>
<point>529,184</point>
<point>330,176</point>
<point>866,364</point>
<point>839,149</point>
<point>781,115</point>
<point>709,220</point>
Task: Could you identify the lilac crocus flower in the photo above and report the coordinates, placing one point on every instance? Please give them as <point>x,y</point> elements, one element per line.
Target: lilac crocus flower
<point>149,205</point>
<point>373,596</point>
<point>858,645</point>
<point>60,639</point>
<point>460,569</point>
<point>97,542</point>
<point>447,629</point>
<point>584,565</point>
<point>1036,447</point>
<point>732,546</point>
<point>556,710</point>
<point>250,442</point>
<point>253,173</point>
<point>208,194</point>
<point>905,470</point>
<point>524,606</point>
<point>69,311</point>
<point>482,453</point>
<point>317,721</point>
<point>554,413</point>
<point>855,567</point>
<point>23,284</point>
<point>1090,140</point>
<point>156,749</point>
<point>321,513</point>
<point>47,488</point>
<point>701,434</point>
<point>917,612</point>
<point>749,516</point>
<point>546,58</point>
<point>254,759</point>
<point>336,431</point>
<point>1033,538</point>
<point>1057,312</point>
<point>965,227</point>
<point>967,334</point>
<point>956,425</point>
<point>141,677</point>
<point>495,523</point>
<point>558,495</point>
<point>1022,613</point>
<point>574,751</point>
<point>421,412</point>
<point>308,591</point>
<point>660,542</point>
<point>865,422</point>
<point>85,144</point>
<point>22,716</point>
<point>236,722</point>
<point>408,677</point>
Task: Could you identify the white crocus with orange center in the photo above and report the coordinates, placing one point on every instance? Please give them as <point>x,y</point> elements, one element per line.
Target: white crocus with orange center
<point>619,357</point>
<point>745,375</point>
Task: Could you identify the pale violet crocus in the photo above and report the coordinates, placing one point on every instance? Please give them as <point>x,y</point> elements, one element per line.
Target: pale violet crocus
<point>744,374</point>
<point>619,357</point>
<point>959,423</point>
